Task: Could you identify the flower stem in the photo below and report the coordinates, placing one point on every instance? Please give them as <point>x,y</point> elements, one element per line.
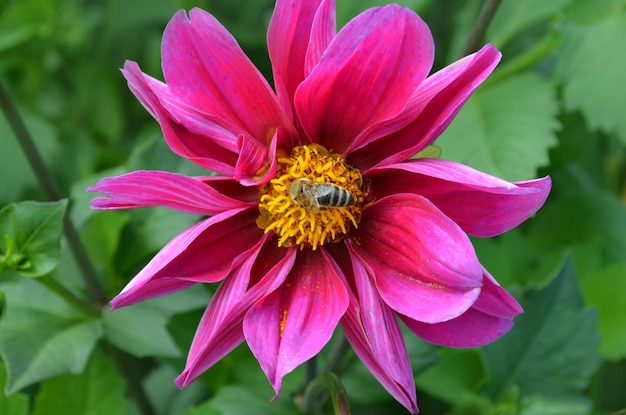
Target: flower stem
<point>525,60</point>
<point>52,193</point>
<point>126,365</point>
<point>337,354</point>
<point>480,27</point>
<point>67,295</point>
<point>311,370</point>
<point>327,383</point>
<point>312,402</point>
<point>46,182</point>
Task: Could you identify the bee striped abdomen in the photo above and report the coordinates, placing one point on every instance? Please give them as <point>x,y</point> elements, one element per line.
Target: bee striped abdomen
<point>336,197</point>
<point>315,196</point>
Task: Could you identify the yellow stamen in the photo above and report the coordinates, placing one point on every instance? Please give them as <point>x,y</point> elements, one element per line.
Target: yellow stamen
<point>308,220</point>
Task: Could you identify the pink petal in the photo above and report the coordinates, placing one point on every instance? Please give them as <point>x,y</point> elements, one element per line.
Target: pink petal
<point>366,75</point>
<point>355,333</point>
<point>487,320</point>
<point>221,329</point>
<point>206,252</point>
<point>481,204</point>
<point>232,189</point>
<point>431,108</point>
<point>323,31</point>
<point>471,329</point>
<point>204,67</point>
<point>495,300</point>
<point>157,188</point>
<point>289,34</point>
<point>206,151</point>
<point>381,326</point>
<point>257,163</point>
<point>424,264</point>
<point>217,130</point>
<point>293,323</point>
<point>215,337</point>
<point>225,134</point>
<point>371,327</point>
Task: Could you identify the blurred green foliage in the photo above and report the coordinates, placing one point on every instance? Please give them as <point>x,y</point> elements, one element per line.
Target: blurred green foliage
<point>555,105</point>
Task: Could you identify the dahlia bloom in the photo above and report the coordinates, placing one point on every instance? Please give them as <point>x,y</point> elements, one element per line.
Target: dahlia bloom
<point>373,234</point>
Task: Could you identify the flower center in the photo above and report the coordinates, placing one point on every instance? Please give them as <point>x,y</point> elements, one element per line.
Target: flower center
<point>315,198</point>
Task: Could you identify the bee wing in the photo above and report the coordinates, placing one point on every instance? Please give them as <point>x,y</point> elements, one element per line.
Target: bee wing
<point>324,189</point>
<point>327,194</point>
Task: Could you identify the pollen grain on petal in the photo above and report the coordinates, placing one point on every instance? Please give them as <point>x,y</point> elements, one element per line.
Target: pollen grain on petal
<point>283,323</point>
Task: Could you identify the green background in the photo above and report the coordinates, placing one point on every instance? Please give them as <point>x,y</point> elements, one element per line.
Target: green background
<point>555,105</point>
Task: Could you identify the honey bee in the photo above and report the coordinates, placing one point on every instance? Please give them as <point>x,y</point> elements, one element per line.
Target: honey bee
<point>316,196</point>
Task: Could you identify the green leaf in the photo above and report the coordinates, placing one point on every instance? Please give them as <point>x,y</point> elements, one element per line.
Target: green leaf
<point>431,151</point>
<point>512,260</point>
<point>456,378</point>
<point>98,391</point>
<point>584,12</point>
<point>16,404</point>
<point>206,408</point>
<point>3,303</point>
<point>192,298</point>
<point>363,388</point>
<point>81,211</point>
<point>239,367</point>
<point>154,153</point>
<point>42,336</point>
<point>592,67</point>
<point>505,129</point>
<point>102,237</point>
<point>140,330</point>
<point>579,219</point>
<point>327,384</point>
<point>31,233</point>
<point>540,405</point>
<point>96,89</point>
<point>457,28</point>
<point>575,141</point>
<point>247,20</point>
<point>138,13</point>
<point>165,397</point>
<point>134,328</point>
<point>422,354</point>
<point>160,225</point>
<point>349,9</point>
<point>18,24</point>
<point>513,16</point>
<point>552,349</point>
<point>606,290</point>
<point>18,177</point>
<point>150,229</point>
<point>234,400</point>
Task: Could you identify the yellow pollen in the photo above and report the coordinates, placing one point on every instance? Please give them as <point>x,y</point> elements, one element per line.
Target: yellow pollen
<point>315,198</point>
<point>283,322</point>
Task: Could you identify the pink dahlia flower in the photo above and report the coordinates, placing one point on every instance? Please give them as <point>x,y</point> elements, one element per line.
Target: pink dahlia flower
<point>321,214</point>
